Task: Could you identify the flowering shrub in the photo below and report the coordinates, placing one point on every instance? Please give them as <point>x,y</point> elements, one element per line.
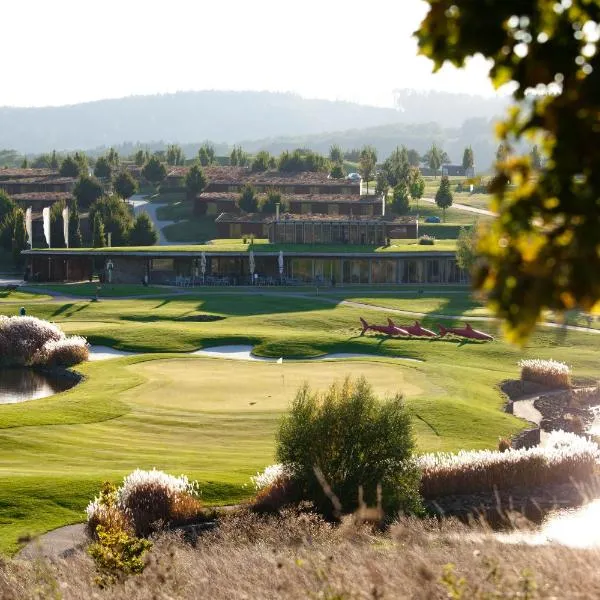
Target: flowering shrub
<point>27,341</point>
<point>275,488</point>
<point>565,457</point>
<point>551,373</point>
<point>146,500</point>
<point>426,240</point>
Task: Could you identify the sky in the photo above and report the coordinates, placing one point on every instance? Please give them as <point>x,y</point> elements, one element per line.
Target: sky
<point>70,51</point>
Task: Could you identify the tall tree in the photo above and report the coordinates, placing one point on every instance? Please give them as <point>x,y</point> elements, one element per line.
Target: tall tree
<point>143,232</point>
<point>57,233</point>
<point>434,158</point>
<point>443,197</point>
<point>367,163</point>
<point>269,205</point>
<point>261,161</point>
<point>414,158</point>
<point>113,158</point>
<point>396,167</point>
<point>82,160</point>
<point>238,157</point>
<point>195,181</point>
<point>87,190</point>
<point>154,171</point>
<point>336,154</point>
<point>175,156</point>
<point>337,171</point>
<point>501,152</point>
<point>248,201</point>
<point>417,185</point>
<point>125,185</point>
<point>206,154</point>
<point>116,218</point>
<point>7,205</point>
<point>381,183</point>
<point>19,237</point>
<point>400,202</point>
<point>536,158</point>
<point>141,157</point>
<point>103,168</point>
<point>69,167</point>
<point>466,248</point>
<point>54,160</point>
<point>75,238</point>
<point>468,161</point>
<point>98,235</point>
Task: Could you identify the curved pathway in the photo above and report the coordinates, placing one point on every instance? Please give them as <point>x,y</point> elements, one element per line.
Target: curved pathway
<point>466,208</point>
<point>142,204</point>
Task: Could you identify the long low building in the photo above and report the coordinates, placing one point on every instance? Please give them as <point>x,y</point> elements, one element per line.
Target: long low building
<point>272,265</point>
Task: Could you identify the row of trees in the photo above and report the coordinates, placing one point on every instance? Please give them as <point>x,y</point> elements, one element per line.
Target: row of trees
<point>249,201</point>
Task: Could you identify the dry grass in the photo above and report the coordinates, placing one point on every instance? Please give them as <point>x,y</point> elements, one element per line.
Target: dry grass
<point>299,556</point>
<point>551,373</point>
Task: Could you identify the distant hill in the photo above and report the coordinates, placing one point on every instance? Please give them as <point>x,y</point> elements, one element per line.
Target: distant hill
<point>223,117</point>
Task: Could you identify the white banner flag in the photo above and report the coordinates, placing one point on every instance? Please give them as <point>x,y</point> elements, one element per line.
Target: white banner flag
<point>46,218</point>
<point>65,216</point>
<point>29,226</point>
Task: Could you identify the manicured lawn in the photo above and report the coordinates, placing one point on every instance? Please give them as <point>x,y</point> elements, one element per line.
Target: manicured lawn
<point>88,290</point>
<point>19,296</point>
<point>195,229</point>
<point>213,419</point>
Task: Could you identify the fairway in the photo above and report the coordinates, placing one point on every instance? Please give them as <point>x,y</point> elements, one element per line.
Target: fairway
<point>215,419</point>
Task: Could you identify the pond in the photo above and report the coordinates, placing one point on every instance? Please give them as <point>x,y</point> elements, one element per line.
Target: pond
<point>19,385</point>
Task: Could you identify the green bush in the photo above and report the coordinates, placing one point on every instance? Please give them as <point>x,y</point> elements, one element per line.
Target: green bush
<point>355,440</point>
<point>426,240</point>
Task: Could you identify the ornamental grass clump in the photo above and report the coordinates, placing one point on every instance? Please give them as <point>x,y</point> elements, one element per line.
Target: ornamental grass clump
<point>551,373</point>
<point>28,341</point>
<point>565,457</point>
<point>334,444</point>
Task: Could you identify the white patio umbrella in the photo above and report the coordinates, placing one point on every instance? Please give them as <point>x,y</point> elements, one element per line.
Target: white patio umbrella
<point>203,265</point>
<point>251,265</point>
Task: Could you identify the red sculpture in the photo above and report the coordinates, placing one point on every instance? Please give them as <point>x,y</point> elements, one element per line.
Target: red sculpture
<point>466,332</point>
<point>416,330</point>
<point>389,329</point>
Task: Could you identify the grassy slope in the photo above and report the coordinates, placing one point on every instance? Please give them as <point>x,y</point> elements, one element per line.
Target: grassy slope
<point>17,296</point>
<point>185,415</point>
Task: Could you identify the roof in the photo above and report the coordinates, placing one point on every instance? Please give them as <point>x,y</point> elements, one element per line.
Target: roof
<point>295,218</point>
<point>308,198</point>
<point>33,180</point>
<point>6,173</point>
<point>242,175</point>
<point>42,196</point>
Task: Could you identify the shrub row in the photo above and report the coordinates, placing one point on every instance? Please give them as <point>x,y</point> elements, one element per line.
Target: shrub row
<point>565,457</point>
<point>28,341</point>
<point>550,373</point>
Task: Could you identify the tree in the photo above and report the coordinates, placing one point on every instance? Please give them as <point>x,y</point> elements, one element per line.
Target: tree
<point>19,238</point>
<point>302,160</point>
<point>98,236</point>
<point>141,157</point>
<point>57,232</point>
<point>125,185</point>
<point>260,162</point>
<point>466,248</point>
<point>248,202</point>
<point>337,171</point>
<point>195,181</point>
<point>414,159</point>
<point>434,158</point>
<point>25,164</point>
<point>400,203</point>
<point>154,171</point>
<point>336,154</point>
<point>143,232</point>
<point>238,157</point>
<point>355,440</point>
<point>396,167</point>
<point>54,160</point>
<point>443,197</point>
<point>417,185</point>
<point>113,158</point>
<point>87,190</point>
<point>7,205</point>
<point>536,159</point>
<point>116,218</point>
<point>269,205</point>
<point>81,159</point>
<point>468,161</point>
<point>75,239</point>
<point>367,163</point>
<point>541,253</point>
<point>103,168</point>
<point>381,183</point>
<point>69,167</point>
<point>206,154</point>
<point>501,152</point>
<point>175,155</point>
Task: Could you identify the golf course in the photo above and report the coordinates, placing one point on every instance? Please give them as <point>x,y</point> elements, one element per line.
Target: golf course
<point>214,419</point>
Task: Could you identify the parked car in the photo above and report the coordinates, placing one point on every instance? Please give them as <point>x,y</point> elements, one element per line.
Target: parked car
<point>433,220</point>
<point>353,176</point>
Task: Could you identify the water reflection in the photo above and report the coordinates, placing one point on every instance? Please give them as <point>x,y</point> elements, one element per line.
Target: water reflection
<point>19,385</point>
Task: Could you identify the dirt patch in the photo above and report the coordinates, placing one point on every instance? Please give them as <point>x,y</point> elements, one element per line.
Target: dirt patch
<point>200,318</point>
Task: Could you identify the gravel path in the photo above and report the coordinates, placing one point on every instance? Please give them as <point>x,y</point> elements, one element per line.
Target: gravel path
<point>55,544</point>
<point>466,208</point>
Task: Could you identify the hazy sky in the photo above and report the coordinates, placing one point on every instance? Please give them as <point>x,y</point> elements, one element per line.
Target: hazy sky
<point>67,51</point>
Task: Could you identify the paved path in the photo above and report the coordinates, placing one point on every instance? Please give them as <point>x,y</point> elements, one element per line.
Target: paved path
<point>466,208</point>
<point>55,544</point>
<point>142,204</point>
